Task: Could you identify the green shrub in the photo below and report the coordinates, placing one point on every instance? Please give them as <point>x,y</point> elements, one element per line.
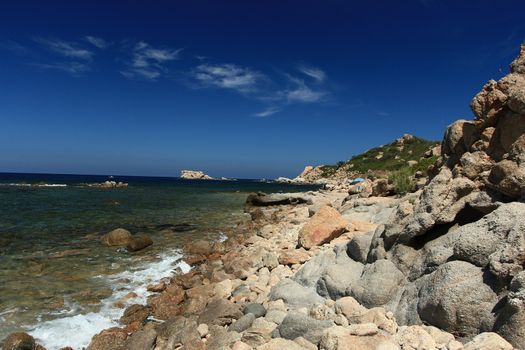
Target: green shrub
<point>403,180</point>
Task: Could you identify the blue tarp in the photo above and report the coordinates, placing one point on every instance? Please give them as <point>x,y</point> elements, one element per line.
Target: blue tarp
<point>358,180</point>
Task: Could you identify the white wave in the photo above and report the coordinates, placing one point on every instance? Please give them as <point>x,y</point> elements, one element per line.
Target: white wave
<point>77,330</point>
<point>32,185</point>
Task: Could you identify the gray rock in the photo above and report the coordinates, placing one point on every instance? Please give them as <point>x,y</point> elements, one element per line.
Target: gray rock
<point>294,294</point>
<point>242,323</point>
<point>256,309</point>
<point>220,312</point>
<point>297,324</point>
<point>359,247</point>
<point>275,316</point>
<point>379,285</point>
<point>141,340</point>
<point>455,299</point>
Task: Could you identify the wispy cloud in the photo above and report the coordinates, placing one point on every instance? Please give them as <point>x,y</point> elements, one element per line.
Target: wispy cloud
<point>148,62</point>
<point>312,72</point>
<point>97,42</point>
<point>66,49</point>
<point>267,112</point>
<point>227,76</point>
<point>73,68</point>
<point>15,48</point>
<point>301,92</point>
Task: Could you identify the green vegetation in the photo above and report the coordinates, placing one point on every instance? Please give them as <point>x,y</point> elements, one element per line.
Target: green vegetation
<point>389,161</point>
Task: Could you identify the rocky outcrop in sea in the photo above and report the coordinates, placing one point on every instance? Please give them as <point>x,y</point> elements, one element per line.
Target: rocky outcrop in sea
<point>194,175</point>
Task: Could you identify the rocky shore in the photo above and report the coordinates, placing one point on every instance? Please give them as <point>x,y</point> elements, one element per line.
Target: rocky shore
<point>439,268</point>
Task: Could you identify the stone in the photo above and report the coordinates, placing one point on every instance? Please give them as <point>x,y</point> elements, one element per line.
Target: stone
<point>167,304</point>
<point>339,338</point>
<point>203,330</point>
<point>264,200</point>
<point>112,338</point>
<point>349,307</point>
<point>117,237</point>
<point>488,341</point>
<point>19,341</point>
<point>363,329</point>
<point>135,313</point>
<point>324,226</point>
<point>294,294</point>
<point>359,247</point>
<point>239,345</point>
<point>256,309</point>
<point>305,344</point>
<point>139,243</point>
<point>242,323</point>
<point>220,312</point>
<point>297,324</point>
<point>275,316</point>
<point>456,299</point>
<point>194,175</point>
<point>292,257</point>
<point>141,340</point>
<point>259,333</point>
<point>280,344</point>
<point>414,337</point>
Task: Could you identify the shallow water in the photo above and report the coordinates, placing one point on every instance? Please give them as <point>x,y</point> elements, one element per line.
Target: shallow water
<point>58,280</point>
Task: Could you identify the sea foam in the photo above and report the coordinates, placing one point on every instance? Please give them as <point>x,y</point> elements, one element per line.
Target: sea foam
<point>76,330</point>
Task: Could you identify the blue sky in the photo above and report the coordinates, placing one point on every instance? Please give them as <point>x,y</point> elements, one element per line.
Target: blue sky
<point>244,89</point>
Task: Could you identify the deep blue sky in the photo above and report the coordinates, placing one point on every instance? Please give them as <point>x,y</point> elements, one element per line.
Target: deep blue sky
<point>242,88</point>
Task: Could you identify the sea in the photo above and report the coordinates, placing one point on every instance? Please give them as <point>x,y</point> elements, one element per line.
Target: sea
<point>61,285</point>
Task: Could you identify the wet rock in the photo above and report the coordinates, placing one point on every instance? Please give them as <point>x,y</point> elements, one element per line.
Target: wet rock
<point>168,304</point>
<point>139,243</point>
<point>135,313</point>
<point>264,200</point>
<point>117,237</point>
<point>324,226</point>
<point>19,341</point>
<point>112,338</point>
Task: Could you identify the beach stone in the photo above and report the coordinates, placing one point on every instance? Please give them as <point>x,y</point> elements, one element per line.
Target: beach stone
<point>359,247</point>
<point>488,341</point>
<point>220,312</point>
<point>275,316</point>
<point>297,324</point>
<point>325,225</point>
<point>221,339</point>
<point>349,307</point>
<point>256,309</point>
<point>117,237</point>
<point>294,294</point>
<point>135,313</point>
<point>259,333</point>
<point>363,329</point>
<point>242,323</point>
<point>141,340</point>
<point>280,344</point>
<point>167,304</point>
<point>414,337</point>
<point>112,338</point>
<point>19,341</point>
<point>139,243</point>
<point>239,345</point>
<point>339,338</point>
<point>203,329</point>
<point>305,344</point>
<point>294,256</point>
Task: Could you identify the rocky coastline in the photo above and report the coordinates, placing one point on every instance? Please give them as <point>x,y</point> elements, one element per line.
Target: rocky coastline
<point>438,268</point>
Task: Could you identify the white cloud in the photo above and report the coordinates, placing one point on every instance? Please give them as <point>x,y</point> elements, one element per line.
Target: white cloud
<point>148,62</point>
<point>97,42</point>
<point>267,112</point>
<point>312,72</point>
<point>303,93</point>
<point>74,68</point>
<point>227,76</point>
<point>66,49</point>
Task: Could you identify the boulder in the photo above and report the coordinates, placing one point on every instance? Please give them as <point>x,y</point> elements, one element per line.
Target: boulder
<point>324,226</point>
<point>488,341</point>
<point>456,299</point>
<point>339,338</point>
<point>280,344</point>
<point>112,338</point>
<point>220,312</point>
<point>135,313</point>
<point>19,341</point>
<point>141,340</point>
<point>264,200</point>
<point>297,324</point>
<point>117,237</point>
<point>294,294</point>
<point>139,243</point>
<point>258,310</point>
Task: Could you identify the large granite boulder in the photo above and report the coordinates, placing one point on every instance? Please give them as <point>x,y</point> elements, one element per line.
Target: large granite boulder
<point>325,225</point>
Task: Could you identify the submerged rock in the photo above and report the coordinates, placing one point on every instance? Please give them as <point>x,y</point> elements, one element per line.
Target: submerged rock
<point>117,237</point>
<point>139,243</point>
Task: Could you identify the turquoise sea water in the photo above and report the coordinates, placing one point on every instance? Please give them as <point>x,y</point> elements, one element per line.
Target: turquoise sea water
<point>58,279</point>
